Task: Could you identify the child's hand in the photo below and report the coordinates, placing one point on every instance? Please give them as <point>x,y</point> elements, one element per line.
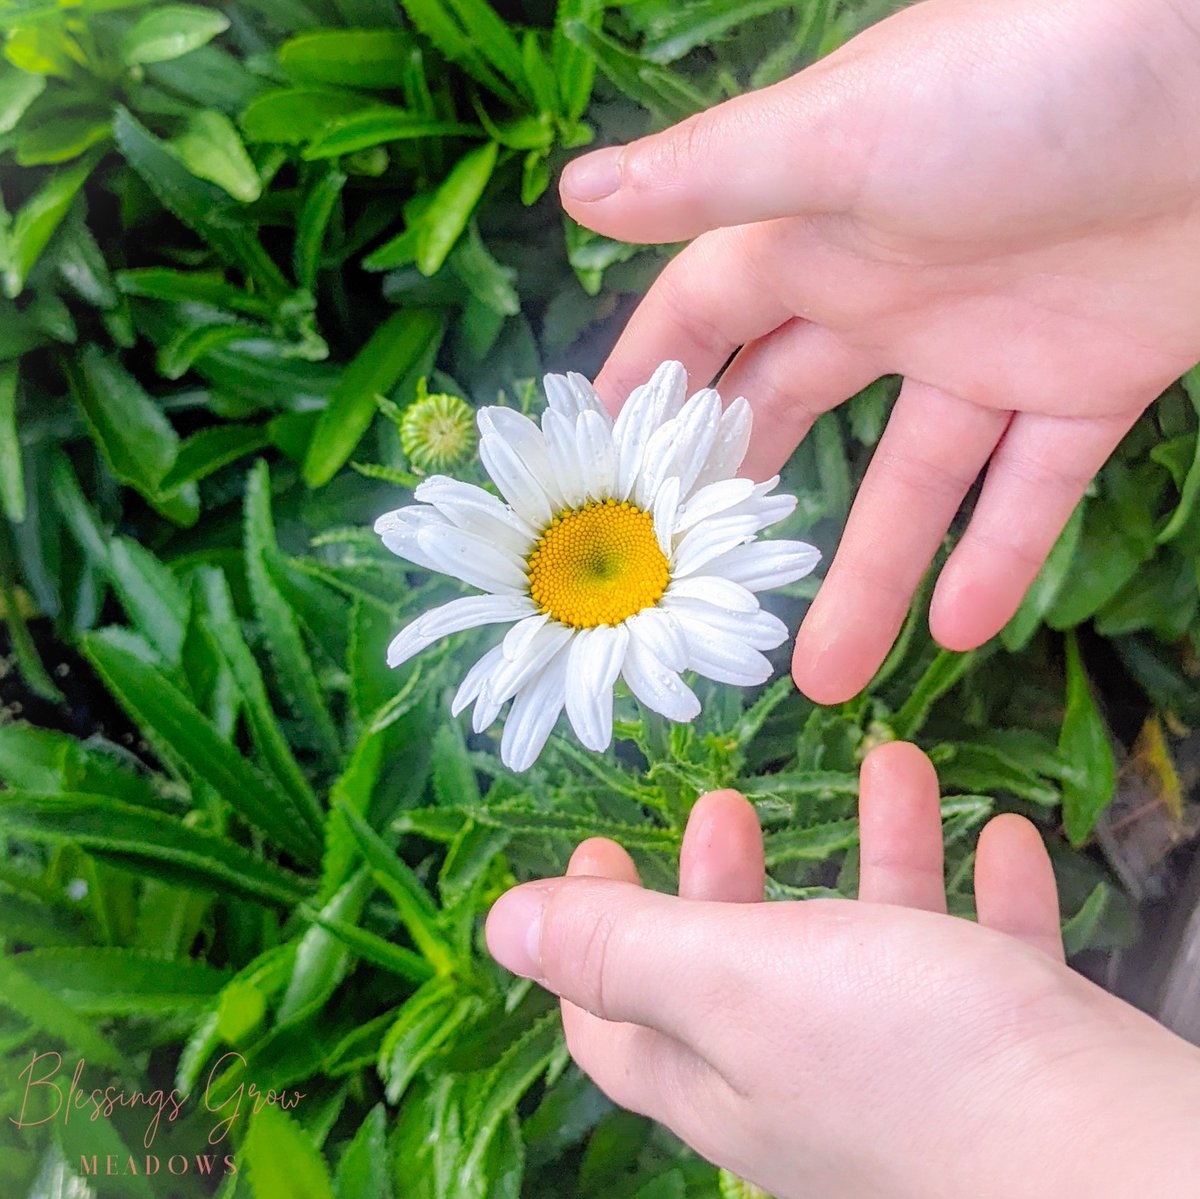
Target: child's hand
<point>999,200</point>
<point>846,1050</point>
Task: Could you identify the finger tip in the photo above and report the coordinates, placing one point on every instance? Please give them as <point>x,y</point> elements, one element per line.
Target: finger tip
<point>599,857</point>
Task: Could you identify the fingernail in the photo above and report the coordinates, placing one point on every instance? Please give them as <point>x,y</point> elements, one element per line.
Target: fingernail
<point>514,930</point>
<point>594,176</point>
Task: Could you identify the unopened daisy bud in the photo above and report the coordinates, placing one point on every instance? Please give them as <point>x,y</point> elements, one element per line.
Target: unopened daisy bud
<point>437,431</point>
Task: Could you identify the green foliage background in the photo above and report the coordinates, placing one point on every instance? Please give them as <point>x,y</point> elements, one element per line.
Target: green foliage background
<point>227,231</point>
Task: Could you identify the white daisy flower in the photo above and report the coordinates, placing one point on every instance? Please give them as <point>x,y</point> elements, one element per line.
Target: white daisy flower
<point>626,549</point>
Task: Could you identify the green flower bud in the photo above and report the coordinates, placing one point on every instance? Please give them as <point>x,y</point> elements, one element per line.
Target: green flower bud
<point>437,431</point>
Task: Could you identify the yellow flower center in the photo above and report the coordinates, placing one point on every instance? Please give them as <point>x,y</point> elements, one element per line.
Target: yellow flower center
<point>597,565</point>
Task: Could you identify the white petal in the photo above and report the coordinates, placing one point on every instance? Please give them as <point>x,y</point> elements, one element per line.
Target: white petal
<point>709,539</point>
<point>563,454</point>
<point>720,657</point>
<point>721,593</point>
<point>648,407</point>
<point>533,715</point>
<point>762,565</point>
<point>765,508</point>
<point>730,445</point>
<point>658,687</point>
<point>525,494</point>
<point>695,428</point>
<point>472,559</point>
<point>595,662</point>
<point>666,504</point>
<point>597,455</point>
<point>713,500</point>
<point>470,612</point>
<point>471,508</point>
<point>661,634</point>
<point>400,529</point>
<point>759,630</point>
<point>511,675</point>
<point>572,395</point>
<point>516,640</point>
<point>469,689</point>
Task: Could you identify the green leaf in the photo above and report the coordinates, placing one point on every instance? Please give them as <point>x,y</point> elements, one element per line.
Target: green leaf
<point>321,961</point>
<point>373,948</point>
<point>200,205</point>
<point>37,221</point>
<point>170,31</point>
<point>61,138</point>
<point>294,115</point>
<point>150,595</point>
<point>148,842</point>
<point>136,439</point>
<point>122,982</point>
<point>268,738</point>
<point>363,1172</point>
<point>50,1015</point>
<point>183,735</point>
<point>282,1162</point>
<point>483,276</point>
<point>416,909</point>
<point>364,58</point>
<point>575,69</point>
<point>662,91</point>
<point>207,451</point>
<point>18,90</point>
<point>1190,490</point>
<point>702,22</point>
<point>1091,775</point>
<point>1045,589</point>
<point>313,223</point>
<point>942,674</point>
<point>469,33</point>
<point>211,149</point>
<point>427,1020</point>
<point>812,844</point>
<point>453,202</point>
<point>393,350</point>
<point>377,126</point>
<point>281,629</point>
<point>12,473</point>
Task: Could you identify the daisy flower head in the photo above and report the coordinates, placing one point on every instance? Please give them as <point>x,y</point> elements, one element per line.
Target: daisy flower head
<point>621,549</point>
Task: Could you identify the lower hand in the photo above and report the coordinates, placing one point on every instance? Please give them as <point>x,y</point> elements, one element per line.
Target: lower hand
<point>877,1048</point>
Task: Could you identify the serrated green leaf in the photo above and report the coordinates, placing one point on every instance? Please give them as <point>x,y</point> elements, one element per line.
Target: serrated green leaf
<point>942,674</point>
<point>122,982</point>
<point>447,24</point>
<point>295,115</point>
<point>150,595</point>
<point>362,58</point>
<point>453,203</point>
<point>211,149</point>
<point>37,220</point>
<point>183,735</point>
<point>315,214</point>
<point>18,90</point>
<point>51,1016</point>
<point>415,907</point>
<point>281,1160</point>
<point>170,31</point>
<point>137,441</point>
<point>281,629</point>
<point>377,126</point>
<point>428,1018</point>
<point>363,1172</point>
<point>208,450</point>
<point>12,472</point>
<point>371,947</point>
<point>1091,777</point>
<point>812,844</point>
<point>149,842</point>
<point>394,349</point>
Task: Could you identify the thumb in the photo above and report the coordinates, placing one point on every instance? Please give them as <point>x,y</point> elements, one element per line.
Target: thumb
<point>781,151</point>
<point>607,946</point>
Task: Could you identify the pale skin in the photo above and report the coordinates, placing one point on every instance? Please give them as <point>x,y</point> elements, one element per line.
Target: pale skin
<point>870,1049</point>
<point>998,200</point>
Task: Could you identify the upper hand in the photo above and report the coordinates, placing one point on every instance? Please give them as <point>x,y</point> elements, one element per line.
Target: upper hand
<point>999,201</point>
